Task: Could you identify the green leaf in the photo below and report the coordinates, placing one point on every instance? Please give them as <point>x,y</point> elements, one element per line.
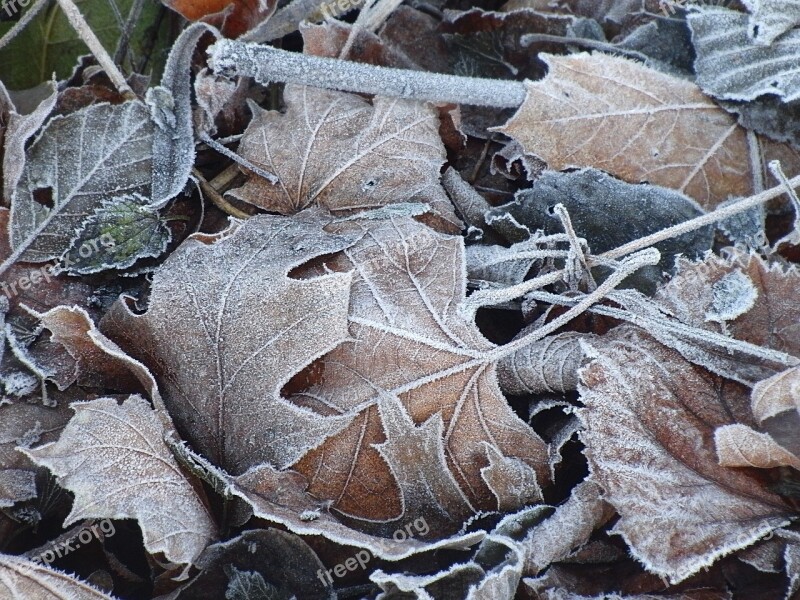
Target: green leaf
<point>120,232</point>
<point>49,44</point>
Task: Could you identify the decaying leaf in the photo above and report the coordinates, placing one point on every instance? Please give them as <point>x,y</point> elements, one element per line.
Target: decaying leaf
<point>113,458</point>
<point>637,124</point>
<point>77,162</point>
<point>741,446</point>
<point>246,328</point>
<point>22,579</point>
<point>732,66</point>
<point>650,418</point>
<point>408,283</point>
<point>778,394</point>
<point>769,19</point>
<point>232,17</point>
<point>339,151</point>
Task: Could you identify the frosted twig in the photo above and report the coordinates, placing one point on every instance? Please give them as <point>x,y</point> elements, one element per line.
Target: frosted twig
<point>85,32</point>
<point>533,38</point>
<point>265,64</point>
<point>127,29</point>
<point>284,21</point>
<point>216,198</point>
<point>23,22</point>
<point>775,169</point>
<point>371,16</point>
<point>238,159</point>
<point>650,256</point>
<point>577,247</point>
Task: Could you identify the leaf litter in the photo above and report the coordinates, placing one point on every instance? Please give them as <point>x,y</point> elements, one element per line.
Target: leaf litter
<point>506,313</point>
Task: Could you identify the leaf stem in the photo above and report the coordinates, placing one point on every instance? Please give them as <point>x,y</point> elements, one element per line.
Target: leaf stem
<point>230,57</point>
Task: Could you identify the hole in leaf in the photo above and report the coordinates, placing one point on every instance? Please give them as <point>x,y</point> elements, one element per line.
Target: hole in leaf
<point>44,196</point>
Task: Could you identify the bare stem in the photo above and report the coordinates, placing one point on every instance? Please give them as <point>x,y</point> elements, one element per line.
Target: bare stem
<point>230,58</point>
<point>83,30</point>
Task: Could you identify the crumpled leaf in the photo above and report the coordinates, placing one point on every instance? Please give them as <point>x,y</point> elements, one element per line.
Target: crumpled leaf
<point>341,152</point>
<point>549,365</point>
<point>246,329</point>
<point>64,181</point>
<point>113,458</point>
<point>732,66</point>
<point>120,232</point>
<point>777,394</point>
<point>663,130</point>
<point>568,528</point>
<point>608,213</point>
<point>770,19</point>
<point>408,283</point>
<point>742,446</point>
<point>22,579</point>
<point>650,418</point>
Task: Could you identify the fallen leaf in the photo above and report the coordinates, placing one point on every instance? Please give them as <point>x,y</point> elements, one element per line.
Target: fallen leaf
<point>635,123</point>
<point>408,283</point>
<point>246,328</point>
<point>113,458</point>
<point>742,446</point>
<point>777,394</point>
<point>650,418</point>
<point>769,19</point>
<point>341,152</point>
<point>232,17</point>
<point>731,66</point>
<point>22,579</point>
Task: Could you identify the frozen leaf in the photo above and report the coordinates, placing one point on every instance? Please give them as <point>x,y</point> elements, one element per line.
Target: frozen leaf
<point>549,365</point>
<point>513,482</point>
<point>778,394</point>
<point>568,528</point>
<point>731,297</point>
<point>771,320</point>
<point>171,107</point>
<point>637,124</point>
<point>731,66</point>
<point>278,558</point>
<point>22,579</point>
<point>416,458</point>
<point>770,19</point>
<point>77,162</point>
<point>608,213</point>
<point>741,446</point>
<point>409,281</point>
<point>113,458</point>
<point>341,152</point>
<point>650,418</point>
<point>499,264</point>
<point>120,232</point>
<point>770,116</point>
<point>246,328</point>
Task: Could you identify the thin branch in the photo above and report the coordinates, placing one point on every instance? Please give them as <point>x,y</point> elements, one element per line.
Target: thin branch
<point>23,22</point>
<point>83,30</point>
<point>204,137</point>
<point>127,30</point>
<point>534,38</point>
<point>266,64</point>
<point>650,256</point>
<point>215,197</point>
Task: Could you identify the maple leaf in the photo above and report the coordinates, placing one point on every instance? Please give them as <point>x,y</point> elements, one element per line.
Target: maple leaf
<point>339,151</point>
<point>22,579</point>
<point>409,340</point>
<point>650,419</point>
<point>635,123</point>
<point>246,328</point>
<point>113,458</point>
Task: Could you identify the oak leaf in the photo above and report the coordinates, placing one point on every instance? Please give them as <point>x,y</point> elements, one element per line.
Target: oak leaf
<point>245,328</point>
<point>409,340</point>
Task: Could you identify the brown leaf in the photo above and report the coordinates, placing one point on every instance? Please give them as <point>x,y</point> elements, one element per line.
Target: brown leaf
<point>742,446</point>
<point>636,123</point>
<point>408,339</point>
<point>740,293</point>
<point>226,328</point>
<point>778,394</point>
<point>341,152</point>
<point>650,419</point>
<point>232,17</point>
<point>22,579</point>
<point>114,459</point>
